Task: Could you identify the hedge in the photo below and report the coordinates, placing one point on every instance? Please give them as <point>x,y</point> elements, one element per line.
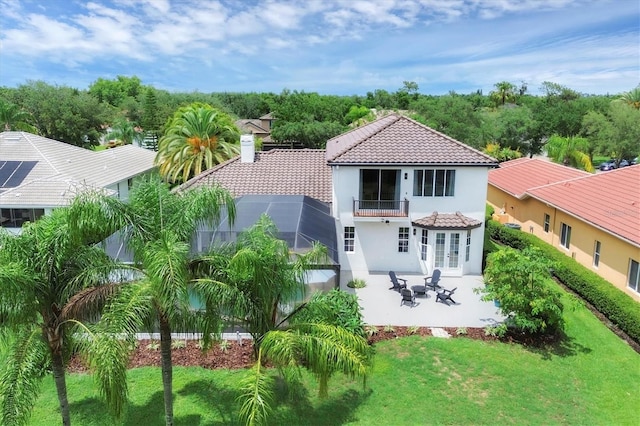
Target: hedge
<point>617,306</point>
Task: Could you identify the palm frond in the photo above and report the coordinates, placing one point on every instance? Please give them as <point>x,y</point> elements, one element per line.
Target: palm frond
<point>21,376</point>
<point>88,303</point>
<point>257,395</point>
<point>108,357</point>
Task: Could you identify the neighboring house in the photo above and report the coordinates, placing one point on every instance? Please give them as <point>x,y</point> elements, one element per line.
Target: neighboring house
<point>402,196</point>
<point>39,174</point>
<point>594,218</point>
<point>259,128</point>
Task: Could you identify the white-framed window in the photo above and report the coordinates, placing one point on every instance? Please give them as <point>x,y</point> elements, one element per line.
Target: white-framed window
<point>467,248</point>
<point>596,253</point>
<point>434,183</point>
<point>547,221</point>
<point>565,236</point>
<point>349,238</point>
<point>424,244</point>
<point>403,239</point>
<point>634,276</point>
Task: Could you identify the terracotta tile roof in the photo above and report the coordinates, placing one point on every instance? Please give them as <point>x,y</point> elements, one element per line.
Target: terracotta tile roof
<point>609,200</point>
<point>396,139</point>
<point>515,177</point>
<point>447,221</point>
<point>275,172</point>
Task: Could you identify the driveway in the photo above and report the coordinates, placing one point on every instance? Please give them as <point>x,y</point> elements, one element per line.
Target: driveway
<point>381,306</point>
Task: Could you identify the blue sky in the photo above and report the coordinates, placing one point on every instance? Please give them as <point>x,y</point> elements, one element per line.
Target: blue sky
<point>340,47</point>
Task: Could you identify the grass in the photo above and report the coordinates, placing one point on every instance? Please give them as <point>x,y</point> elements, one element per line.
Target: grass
<point>593,378</point>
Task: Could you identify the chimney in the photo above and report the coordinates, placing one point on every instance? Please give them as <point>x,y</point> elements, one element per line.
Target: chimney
<point>247,149</point>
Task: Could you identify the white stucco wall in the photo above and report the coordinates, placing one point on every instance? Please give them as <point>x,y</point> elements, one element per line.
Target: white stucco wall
<point>376,241</point>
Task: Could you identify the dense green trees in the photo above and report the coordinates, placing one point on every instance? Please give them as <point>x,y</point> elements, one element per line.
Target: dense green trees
<point>14,118</point>
<point>196,138</point>
<point>507,116</point>
<point>52,277</point>
<point>616,133</point>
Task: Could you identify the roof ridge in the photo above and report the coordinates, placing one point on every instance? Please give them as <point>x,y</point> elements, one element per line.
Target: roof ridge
<point>27,136</point>
<point>339,153</point>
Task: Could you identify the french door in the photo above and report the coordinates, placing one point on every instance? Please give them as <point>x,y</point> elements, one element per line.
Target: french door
<point>446,255</point>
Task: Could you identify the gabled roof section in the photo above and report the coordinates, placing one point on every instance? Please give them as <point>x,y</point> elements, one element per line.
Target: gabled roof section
<point>251,125</point>
<point>517,176</point>
<point>447,221</point>
<point>396,139</point>
<point>609,200</point>
<point>274,172</point>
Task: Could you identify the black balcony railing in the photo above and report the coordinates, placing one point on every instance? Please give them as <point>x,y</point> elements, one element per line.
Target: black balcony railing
<point>381,208</point>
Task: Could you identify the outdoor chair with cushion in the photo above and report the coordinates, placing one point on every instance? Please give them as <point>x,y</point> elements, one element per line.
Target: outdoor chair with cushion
<point>407,297</point>
<point>396,282</point>
<point>444,296</point>
<point>432,281</point>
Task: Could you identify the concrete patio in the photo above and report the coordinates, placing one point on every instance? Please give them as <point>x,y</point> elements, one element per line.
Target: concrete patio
<point>381,306</point>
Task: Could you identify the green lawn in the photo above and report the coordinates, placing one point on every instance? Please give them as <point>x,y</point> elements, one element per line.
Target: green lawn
<point>592,378</point>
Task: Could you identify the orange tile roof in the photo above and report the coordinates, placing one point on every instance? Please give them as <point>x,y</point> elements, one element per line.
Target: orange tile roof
<point>396,139</point>
<point>275,172</point>
<point>517,176</point>
<point>609,200</point>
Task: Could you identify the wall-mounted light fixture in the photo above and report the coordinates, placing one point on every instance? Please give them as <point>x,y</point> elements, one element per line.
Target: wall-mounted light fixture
<point>406,176</point>
<point>414,231</point>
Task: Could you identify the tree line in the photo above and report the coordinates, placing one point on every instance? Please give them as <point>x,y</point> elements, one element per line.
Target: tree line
<point>506,122</point>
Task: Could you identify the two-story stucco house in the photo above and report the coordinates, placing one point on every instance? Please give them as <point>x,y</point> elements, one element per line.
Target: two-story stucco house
<point>408,198</point>
<point>38,174</point>
<point>401,196</point>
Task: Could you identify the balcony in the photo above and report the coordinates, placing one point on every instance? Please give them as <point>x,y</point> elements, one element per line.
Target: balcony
<point>381,208</point>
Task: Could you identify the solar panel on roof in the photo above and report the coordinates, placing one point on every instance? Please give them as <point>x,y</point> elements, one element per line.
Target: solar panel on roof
<point>13,173</point>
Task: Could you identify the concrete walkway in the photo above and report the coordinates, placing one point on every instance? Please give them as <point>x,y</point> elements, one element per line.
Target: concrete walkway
<point>381,306</point>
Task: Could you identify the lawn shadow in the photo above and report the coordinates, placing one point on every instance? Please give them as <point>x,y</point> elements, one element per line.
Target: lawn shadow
<point>95,411</point>
<point>336,409</point>
<point>560,345</point>
<point>222,400</point>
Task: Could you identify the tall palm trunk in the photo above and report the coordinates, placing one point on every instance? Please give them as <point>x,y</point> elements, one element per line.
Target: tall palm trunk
<point>167,368</point>
<point>54,340</point>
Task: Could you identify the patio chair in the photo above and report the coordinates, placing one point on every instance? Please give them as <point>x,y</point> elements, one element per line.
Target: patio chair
<point>397,286</point>
<point>407,297</point>
<point>444,296</point>
<point>432,281</point>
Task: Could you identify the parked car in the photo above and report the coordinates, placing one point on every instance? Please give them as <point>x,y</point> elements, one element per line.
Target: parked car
<point>634,161</point>
<point>624,163</point>
<point>608,165</point>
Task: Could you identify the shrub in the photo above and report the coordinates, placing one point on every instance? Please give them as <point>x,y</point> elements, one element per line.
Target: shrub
<point>413,329</point>
<point>371,330</point>
<point>618,307</point>
<point>357,283</point>
<point>462,331</point>
<point>335,307</point>
<point>521,282</point>
<point>178,344</point>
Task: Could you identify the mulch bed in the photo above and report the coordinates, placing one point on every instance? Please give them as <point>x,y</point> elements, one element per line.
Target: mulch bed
<point>236,355</point>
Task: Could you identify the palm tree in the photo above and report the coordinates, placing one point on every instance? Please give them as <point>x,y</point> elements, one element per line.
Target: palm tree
<point>261,285</point>
<point>125,133</point>
<point>13,118</point>
<point>160,225</point>
<point>52,277</point>
<point>196,138</point>
<point>570,151</point>
<point>504,92</point>
<point>632,97</point>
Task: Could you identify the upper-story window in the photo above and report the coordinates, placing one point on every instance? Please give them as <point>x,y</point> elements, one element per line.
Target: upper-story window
<point>434,183</point>
<point>379,185</point>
